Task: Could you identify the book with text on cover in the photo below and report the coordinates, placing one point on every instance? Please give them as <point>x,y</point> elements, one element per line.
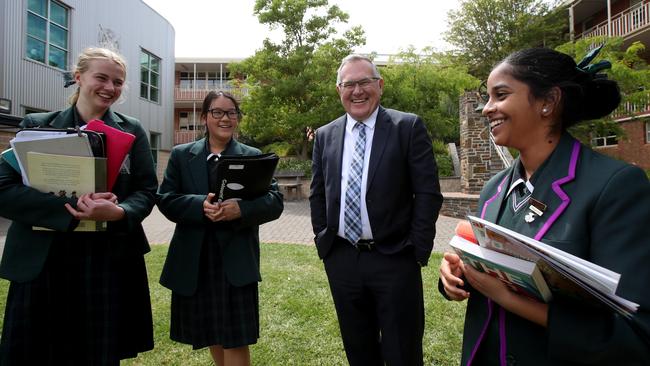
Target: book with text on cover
<point>563,272</point>
<point>521,276</point>
<point>69,176</point>
<point>243,177</point>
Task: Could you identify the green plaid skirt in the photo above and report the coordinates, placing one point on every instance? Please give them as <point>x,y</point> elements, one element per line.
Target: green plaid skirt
<point>218,313</point>
<point>89,306</point>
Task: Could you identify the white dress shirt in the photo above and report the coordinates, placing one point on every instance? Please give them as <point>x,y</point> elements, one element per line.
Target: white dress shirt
<point>348,149</point>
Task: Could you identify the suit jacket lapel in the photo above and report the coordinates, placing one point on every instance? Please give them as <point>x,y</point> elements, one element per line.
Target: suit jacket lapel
<point>113,120</point>
<point>336,139</point>
<point>380,136</point>
<point>64,119</point>
<point>560,170</point>
<point>492,206</point>
<point>197,163</point>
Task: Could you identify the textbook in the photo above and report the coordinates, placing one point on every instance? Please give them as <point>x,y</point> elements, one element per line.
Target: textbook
<point>521,276</point>
<point>243,177</point>
<point>68,176</point>
<point>49,142</point>
<point>563,272</point>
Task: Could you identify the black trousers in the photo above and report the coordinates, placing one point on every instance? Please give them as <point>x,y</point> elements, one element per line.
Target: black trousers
<point>379,304</point>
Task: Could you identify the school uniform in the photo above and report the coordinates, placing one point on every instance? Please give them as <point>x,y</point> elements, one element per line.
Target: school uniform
<point>212,268</point>
<point>596,208</point>
<point>77,298</point>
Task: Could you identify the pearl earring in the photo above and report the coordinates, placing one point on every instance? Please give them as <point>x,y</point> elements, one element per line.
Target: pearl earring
<point>544,110</point>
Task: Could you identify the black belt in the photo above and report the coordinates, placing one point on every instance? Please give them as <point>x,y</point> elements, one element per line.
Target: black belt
<point>363,245</point>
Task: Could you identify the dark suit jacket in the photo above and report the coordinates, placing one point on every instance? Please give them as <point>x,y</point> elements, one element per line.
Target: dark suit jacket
<point>25,249</point>
<point>180,199</point>
<point>598,209</point>
<point>403,193</point>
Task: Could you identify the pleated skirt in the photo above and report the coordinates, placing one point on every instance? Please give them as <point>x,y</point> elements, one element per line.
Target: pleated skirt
<point>218,313</point>
<point>89,306</point>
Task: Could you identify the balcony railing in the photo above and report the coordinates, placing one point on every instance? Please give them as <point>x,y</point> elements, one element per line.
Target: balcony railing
<point>189,95</point>
<point>623,23</point>
<point>184,136</point>
<point>629,109</point>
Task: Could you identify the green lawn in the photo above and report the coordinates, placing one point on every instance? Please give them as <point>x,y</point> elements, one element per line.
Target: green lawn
<point>298,323</point>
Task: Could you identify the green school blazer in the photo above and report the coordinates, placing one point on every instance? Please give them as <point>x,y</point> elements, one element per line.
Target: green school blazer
<point>598,209</point>
<point>180,199</point>
<point>25,249</point>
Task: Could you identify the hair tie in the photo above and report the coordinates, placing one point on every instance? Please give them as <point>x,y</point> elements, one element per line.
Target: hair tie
<point>592,70</point>
<point>68,79</point>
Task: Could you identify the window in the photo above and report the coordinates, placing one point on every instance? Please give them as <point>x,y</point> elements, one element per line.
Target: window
<point>604,141</point>
<point>647,132</point>
<point>29,110</point>
<point>154,142</point>
<point>204,80</point>
<point>149,76</point>
<point>187,121</point>
<point>47,33</point>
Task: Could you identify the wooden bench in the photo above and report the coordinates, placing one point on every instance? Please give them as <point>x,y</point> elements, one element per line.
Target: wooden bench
<point>291,182</point>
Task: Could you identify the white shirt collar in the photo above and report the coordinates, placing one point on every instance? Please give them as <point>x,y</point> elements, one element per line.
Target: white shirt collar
<point>369,122</point>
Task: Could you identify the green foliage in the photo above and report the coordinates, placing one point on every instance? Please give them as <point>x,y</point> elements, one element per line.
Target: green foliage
<point>280,148</point>
<point>292,84</point>
<point>428,85</point>
<point>629,70</point>
<point>295,165</point>
<point>443,160</point>
<point>647,172</point>
<point>485,31</point>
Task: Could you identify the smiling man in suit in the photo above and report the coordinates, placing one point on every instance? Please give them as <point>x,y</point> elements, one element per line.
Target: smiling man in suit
<point>374,202</point>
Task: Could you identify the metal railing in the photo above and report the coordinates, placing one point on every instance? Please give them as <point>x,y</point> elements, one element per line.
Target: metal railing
<point>623,23</point>
<point>197,94</point>
<point>632,109</point>
<point>185,136</point>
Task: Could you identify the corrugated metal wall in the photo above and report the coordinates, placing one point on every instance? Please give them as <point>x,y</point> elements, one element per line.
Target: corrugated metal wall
<point>134,26</point>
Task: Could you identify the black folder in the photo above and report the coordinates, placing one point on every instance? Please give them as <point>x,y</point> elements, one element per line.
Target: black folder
<point>243,177</point>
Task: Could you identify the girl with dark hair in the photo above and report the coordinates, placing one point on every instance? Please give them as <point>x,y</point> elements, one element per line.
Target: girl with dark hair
<point>596,208</point>
<point>213,263</point>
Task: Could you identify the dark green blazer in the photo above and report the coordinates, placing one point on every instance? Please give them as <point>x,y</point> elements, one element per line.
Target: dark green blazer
<point>25,249</point>
<point>180,199</point>
<point>598,208</point>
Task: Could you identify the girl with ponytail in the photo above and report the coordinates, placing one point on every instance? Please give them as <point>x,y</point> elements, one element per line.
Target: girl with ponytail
<point>592,206</point>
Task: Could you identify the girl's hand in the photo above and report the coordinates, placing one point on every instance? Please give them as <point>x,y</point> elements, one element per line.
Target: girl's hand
<point>451,271</point>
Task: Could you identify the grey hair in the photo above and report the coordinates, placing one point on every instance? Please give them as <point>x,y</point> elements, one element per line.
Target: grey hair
<point>353,58</point>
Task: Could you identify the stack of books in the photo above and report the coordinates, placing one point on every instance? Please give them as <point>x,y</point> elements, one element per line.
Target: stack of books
<point>538,270</point>
<point>69,162</point>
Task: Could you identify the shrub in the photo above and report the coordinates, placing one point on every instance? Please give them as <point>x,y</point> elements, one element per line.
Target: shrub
<point>296,165</point>
<point>443,160</point>
<point>280,148</point>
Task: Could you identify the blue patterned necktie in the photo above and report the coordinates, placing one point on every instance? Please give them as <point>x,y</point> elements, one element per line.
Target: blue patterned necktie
<point>353,192</point>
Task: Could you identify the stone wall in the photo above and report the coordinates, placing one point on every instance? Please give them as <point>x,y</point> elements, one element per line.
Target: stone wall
<point>459,205</point>
<point>475,152</point>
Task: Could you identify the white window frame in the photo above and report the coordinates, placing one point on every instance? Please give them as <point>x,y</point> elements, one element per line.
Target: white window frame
<point>49,23</point>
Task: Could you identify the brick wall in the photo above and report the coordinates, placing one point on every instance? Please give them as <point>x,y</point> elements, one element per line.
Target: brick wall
<point>632,148</point>
<point>5,136</point>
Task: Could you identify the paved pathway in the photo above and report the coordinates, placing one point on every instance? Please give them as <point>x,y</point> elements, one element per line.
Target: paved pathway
<point>293,226</point>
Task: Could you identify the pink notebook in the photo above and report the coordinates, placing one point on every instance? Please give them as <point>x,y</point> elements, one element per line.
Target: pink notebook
<point>118,145</point>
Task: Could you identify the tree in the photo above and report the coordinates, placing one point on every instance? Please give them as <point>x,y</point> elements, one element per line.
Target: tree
<point>292,84</point>
<point>629,70</point>
<point>428,85</point>
<point>485,31</point>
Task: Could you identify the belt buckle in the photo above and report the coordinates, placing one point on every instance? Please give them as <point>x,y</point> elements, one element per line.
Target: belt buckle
<point>364,246</point>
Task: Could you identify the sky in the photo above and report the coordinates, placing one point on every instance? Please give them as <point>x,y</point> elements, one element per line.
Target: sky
<point>220,28</point>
